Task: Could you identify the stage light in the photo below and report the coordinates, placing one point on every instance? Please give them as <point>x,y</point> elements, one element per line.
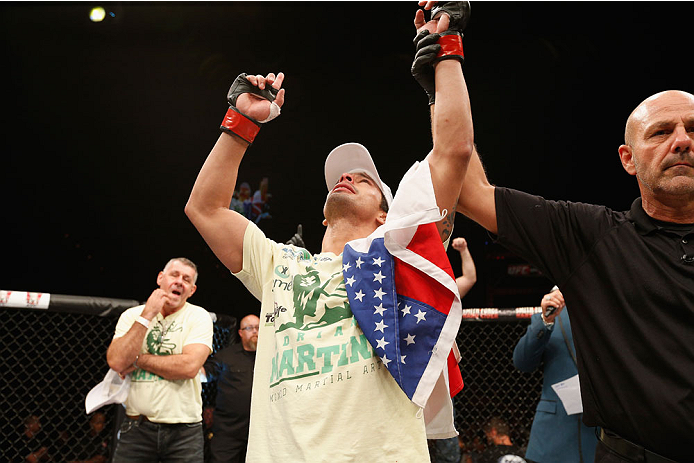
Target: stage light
<point>97,14</point>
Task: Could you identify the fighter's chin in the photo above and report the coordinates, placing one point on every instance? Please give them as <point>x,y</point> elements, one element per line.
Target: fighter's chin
<point>337,203</point>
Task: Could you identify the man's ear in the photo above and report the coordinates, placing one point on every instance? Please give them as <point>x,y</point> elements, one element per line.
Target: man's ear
<point>193,289</point>
<point>381,218</point>
<point>325,222</point>
<point>159,278</point>
<point>626,155</point>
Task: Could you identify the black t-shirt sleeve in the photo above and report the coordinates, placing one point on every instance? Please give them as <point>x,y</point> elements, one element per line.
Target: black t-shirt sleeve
<point>556,236</point>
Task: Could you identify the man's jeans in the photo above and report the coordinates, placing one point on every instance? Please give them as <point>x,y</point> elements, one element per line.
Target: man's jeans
<point>144,441</point>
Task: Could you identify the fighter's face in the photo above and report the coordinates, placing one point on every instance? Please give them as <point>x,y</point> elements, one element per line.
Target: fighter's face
<point>356,192</point>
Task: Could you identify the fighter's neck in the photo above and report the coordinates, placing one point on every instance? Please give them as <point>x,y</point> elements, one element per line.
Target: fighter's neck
<point>339,233</point>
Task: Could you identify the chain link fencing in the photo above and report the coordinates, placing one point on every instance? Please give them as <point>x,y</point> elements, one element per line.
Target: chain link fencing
<point>52,359</point>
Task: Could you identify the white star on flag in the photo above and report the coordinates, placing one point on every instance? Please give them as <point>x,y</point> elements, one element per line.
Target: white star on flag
<point>420,316</point>
<point>379,277</point>
<point>406,310</point>
<point>409,339</point>
<point>380,326</point>
<point>402,359</point>
<point>359,262</point>
<point>350,281</point>
<point>359,295</point>
<point>379,309</point>
<point>378,261</point>
<point>345,267</point>
<point>379,293</point>
<point>385,361</point>
<point>382,343</point>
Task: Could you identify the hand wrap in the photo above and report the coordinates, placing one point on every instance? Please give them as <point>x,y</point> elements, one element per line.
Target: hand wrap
<point>240,124</point>
<point>451,41</point>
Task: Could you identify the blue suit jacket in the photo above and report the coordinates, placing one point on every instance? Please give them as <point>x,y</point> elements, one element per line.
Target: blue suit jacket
<point>554,436</point>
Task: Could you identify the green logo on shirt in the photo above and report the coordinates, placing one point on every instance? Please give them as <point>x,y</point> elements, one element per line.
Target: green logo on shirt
<point>309,295</point>
<point>159,340</point>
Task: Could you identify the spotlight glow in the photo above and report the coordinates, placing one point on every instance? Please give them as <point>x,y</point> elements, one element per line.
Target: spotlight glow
<point>97,14</point>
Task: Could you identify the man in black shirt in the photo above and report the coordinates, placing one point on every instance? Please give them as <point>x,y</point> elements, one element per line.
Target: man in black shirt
<point>629,278</point>
<point>233,369</point>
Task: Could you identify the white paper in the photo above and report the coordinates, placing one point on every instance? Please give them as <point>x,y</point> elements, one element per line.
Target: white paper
<point>569,392</point>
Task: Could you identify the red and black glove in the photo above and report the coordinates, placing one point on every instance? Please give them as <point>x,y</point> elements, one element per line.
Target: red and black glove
<point>451,41</point>
<point>427,48</point>
<point>238,123</point>
<point>433,47</point>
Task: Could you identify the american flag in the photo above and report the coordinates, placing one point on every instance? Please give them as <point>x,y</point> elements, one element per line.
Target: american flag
<point>402,291</point>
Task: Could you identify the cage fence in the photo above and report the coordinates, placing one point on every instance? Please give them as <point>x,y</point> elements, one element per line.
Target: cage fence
<point>51,359</point>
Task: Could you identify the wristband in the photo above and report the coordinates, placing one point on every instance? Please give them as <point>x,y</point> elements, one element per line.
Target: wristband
<point>451,47</point>
<point>240,125</point>
<point>143,321</point>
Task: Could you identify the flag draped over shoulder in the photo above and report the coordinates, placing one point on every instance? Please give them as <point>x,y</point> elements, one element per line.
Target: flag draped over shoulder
<point>402,292</point>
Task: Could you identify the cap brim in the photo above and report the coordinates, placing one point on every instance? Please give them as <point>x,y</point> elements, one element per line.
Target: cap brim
<point>113,389</point>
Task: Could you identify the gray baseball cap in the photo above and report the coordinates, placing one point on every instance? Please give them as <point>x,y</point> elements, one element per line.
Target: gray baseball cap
<point>353,157</point>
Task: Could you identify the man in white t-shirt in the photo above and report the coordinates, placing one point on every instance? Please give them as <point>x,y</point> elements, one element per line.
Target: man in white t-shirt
<point>320,392</point>
<point>162,345</point>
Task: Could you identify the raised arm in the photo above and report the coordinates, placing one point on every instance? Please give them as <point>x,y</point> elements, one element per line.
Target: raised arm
<point>123,351</point>
<point>451,120</point>
<point>469,276</point>
<point>476,196</point>
<point>476,199</point>
<point>208,205</point>
<point>529,351</point>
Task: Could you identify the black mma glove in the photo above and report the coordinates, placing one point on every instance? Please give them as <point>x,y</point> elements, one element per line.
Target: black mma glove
<point>297,239</point>
<point>238,123</point>
<point>427,47</point>
<point>458,14</point>
<point>432,47</point>
<point>451,41</point>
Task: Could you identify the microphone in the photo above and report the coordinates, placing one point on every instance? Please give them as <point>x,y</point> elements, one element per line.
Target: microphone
<point>550,310</point>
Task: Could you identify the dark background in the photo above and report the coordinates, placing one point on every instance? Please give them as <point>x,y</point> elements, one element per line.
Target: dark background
<point>105,125</point>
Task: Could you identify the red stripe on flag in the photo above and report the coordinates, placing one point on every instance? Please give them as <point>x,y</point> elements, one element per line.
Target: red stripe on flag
<point>413,283</point>
<point>421,244</point>
<point>455,377</point>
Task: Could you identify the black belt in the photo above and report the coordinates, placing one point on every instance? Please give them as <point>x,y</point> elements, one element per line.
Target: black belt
<point>143,418</point>
<point>629,450</point>
<point>139,418</point>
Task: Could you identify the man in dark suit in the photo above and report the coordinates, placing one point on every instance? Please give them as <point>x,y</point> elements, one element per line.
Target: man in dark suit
<point>555,435</point>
